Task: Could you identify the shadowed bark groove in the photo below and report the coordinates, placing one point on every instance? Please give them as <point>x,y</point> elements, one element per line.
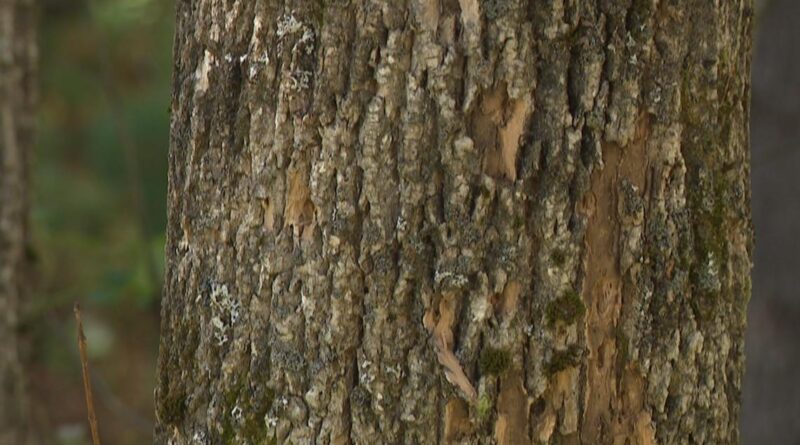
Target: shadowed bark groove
<point>457,222</point>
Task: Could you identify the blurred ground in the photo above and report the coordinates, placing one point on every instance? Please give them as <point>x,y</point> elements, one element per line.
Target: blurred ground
<point>99,215</point>
<point>771,394</point>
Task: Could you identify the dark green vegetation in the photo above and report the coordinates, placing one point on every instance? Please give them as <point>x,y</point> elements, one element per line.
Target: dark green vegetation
<point>100,171</point>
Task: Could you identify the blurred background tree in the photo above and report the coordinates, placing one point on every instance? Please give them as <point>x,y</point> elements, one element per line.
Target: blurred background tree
<point>18,85</point>
<point>99,212</point>
<point>771,397</point>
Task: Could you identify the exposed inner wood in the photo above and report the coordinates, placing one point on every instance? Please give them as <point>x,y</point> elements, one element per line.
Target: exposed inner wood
<point>441,330</point>
<point>457,424</point>
<point>299,214</point>
<point>602,289</point>
<point>511,426</point>
<point>497,127</point>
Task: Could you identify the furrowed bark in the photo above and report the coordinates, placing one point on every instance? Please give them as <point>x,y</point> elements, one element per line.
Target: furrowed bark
<point>457,222</point>
<point>17,87</point>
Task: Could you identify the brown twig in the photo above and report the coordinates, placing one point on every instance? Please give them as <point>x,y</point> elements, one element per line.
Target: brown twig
<point>87,385</point>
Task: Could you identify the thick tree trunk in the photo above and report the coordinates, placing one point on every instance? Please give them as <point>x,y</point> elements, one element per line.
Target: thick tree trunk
<point>457,221</point>
<point>17,61</point>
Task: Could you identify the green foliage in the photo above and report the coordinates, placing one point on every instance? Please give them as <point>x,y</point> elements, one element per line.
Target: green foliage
<point>100,172</point>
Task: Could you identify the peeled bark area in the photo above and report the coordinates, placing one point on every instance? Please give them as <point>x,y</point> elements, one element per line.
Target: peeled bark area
<point>459,221</point>
<point>17,86</point>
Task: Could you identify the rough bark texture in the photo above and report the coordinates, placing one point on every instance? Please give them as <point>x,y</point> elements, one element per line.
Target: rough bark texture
<point>17,61</point>
<point>459,221</point>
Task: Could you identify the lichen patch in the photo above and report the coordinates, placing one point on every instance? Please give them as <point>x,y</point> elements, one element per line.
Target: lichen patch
<point>269,214</point>
<point>203,69</point>
<point>510,137</point>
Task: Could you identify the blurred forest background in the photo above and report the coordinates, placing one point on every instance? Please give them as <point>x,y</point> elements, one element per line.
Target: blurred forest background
<point>100,181</point>
<point>99,217</point>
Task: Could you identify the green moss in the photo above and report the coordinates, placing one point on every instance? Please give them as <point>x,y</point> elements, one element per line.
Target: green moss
<point>707,121</point>
<point>567,308</point>
<point>228,433</point>
<point>519,221</point>
<point>319,15</point>
<point>254,405</point>
<point>254,428</point>
<point>173,409</point>
<point>494,361</point>
<point>558,257</point>
<point>484,407</point>
<point>709,215</point>
<point>562,360</point>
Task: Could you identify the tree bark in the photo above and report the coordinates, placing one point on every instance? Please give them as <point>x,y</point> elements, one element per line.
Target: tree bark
<point>457,221</point>
<point>17,86</point>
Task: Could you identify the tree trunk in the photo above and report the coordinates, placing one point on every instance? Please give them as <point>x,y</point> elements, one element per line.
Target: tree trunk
<point>17,85</point>
<point>457,221</point>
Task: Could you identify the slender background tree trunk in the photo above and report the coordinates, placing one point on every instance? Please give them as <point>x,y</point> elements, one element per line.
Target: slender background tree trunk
<point>457,221</point>
<point>17,86</point>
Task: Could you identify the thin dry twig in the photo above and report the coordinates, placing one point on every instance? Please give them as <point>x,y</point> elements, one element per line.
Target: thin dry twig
<point>87,385</point>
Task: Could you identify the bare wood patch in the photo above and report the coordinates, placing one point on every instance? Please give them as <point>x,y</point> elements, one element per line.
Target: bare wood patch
<point>560,401</point>
<point>470,13</point>
<point>427,14</point>
<point>511,427</point>
<point>456,421</point>
<point>506,303</point>
<point>441,329</point>
<point>269,214</point>
<point>299,212</point>
<point>638,426</point>
<point>602,288</point>
<point>497,126</point>
<point>510,135</point>
<point>545,427</point>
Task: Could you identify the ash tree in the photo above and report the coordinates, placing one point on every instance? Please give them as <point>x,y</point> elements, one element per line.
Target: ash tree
<point>457,221</point>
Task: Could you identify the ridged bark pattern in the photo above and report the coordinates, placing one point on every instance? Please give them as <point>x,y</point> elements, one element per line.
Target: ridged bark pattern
<point>457,221</point>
